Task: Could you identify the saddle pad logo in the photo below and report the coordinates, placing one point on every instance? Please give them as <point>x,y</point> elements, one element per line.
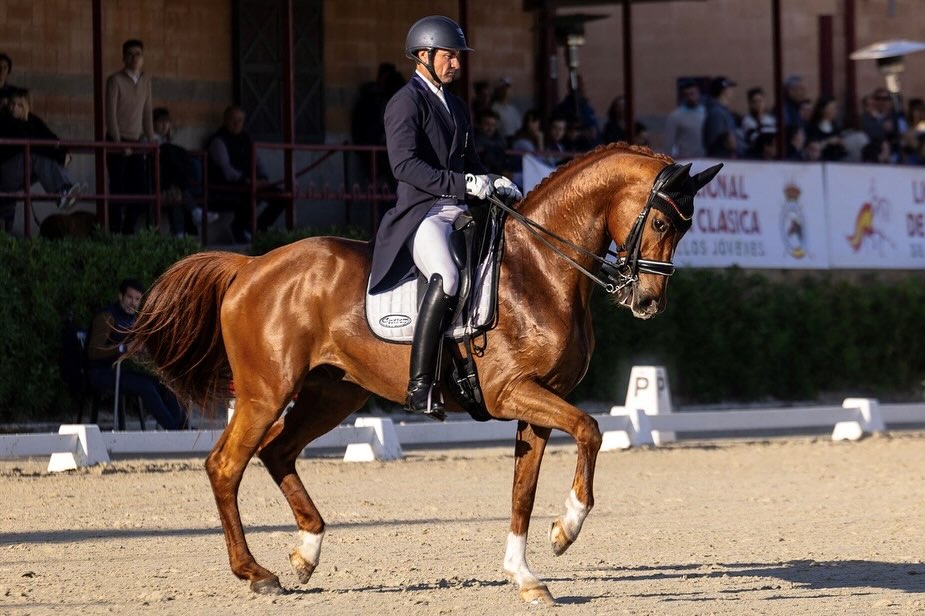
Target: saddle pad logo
<point>395,320</point>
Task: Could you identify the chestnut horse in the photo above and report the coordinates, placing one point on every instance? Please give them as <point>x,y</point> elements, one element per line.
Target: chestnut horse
<point>290,325</point>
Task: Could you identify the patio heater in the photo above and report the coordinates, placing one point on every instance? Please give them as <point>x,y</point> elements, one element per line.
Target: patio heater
<point>889,56</point>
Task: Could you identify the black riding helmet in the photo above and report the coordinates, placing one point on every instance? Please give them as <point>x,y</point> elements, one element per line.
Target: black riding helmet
<point>433,33</point>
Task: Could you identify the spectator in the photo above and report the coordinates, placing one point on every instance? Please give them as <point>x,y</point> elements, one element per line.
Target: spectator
<point>179,174</point>
<point>763,147</point>
<point>48,162</point>
<point>481,98</point>
<point>878,151</point>
<point>128,121</point>
<point>913,139</point>
<point>823,129</point>
<point>555,140</point>
<point>684,125</point>
<point>615,127</point>
<point>230,159</point>
<point>794,95</point>
<point>757,121</point>
<point>6,88</point>
<point>576,106</point>
<point>641,134</point>
<point>509,116</point>
<point>796,141</point>
<point>530,137</point>
<point>489,144</point>
<point>106,343</point>
<point>877,120</point>
<point>719,127</point>
<point>576,137</point>
<point>813,151</point>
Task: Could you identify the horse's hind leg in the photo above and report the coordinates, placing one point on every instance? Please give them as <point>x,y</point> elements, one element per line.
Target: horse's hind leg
<point>225,466</point>
<point>320,408</point>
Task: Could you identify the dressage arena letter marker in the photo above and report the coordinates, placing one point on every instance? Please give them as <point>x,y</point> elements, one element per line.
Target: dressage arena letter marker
<point>652,400</point>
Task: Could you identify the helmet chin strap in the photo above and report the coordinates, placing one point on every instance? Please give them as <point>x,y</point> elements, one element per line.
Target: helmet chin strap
<point>429,65</point>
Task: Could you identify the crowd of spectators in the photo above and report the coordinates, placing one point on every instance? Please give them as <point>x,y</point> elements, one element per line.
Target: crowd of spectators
<point>132,122</point>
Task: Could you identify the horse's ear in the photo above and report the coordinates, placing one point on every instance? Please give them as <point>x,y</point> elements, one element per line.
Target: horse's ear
<point>703,178</point>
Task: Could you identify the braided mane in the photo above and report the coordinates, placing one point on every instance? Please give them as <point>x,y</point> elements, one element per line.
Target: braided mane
<point>596,153</point>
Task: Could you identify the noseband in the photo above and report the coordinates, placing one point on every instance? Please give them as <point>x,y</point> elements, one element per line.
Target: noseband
<point>623,270</point>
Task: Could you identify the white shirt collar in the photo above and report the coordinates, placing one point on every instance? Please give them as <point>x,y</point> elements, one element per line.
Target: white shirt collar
<point>438,91</point>
<point>133,76</point>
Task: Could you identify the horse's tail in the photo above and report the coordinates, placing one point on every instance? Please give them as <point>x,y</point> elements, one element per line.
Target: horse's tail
<point>179,330</point>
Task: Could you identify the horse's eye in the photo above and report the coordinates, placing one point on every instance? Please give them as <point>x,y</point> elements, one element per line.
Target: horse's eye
<point>659,225</point>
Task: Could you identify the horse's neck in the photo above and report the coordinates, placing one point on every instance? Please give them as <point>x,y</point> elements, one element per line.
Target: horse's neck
<point>576,209</point>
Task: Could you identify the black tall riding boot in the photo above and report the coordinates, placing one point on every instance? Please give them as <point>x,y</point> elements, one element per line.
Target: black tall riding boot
<point>424,347</point>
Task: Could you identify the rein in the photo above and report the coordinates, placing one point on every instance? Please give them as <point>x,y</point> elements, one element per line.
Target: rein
<point>618,274</point>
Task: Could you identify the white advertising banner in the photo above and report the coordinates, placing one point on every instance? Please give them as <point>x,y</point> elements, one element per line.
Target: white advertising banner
<point>534,172</point>
<point>876,216</point>
<point>758,215</point>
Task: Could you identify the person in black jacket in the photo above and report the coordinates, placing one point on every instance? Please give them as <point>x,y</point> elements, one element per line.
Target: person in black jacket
<point>48,162</point>
<point>433,157</point>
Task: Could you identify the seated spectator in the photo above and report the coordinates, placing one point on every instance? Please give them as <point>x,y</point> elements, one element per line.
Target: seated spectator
<point>106,343</point>
<point>641,134</point>
<point>48,162</point>
<point>763,147</point>
<point>6,88</point>
<point>878,151</point>
<point>555,140</point>
<point>615,127</point>
<point>578,137</point>
<point>530,137</point>
<point>576,106</point>
<point>796,141</point>
<point>178,176</point>
<point>509,116</point>
<point>481,98</point>
<point>489,143</point>
<point>913,140</point>
<point>823,128</point>
<point>230,160</point>
<point>812,151</point>
<point>878,119</point>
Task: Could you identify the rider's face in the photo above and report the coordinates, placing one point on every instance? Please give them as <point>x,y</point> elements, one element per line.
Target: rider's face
<point>446,64</point>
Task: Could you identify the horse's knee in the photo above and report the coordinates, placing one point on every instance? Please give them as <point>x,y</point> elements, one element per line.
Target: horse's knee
<point>589,434</point>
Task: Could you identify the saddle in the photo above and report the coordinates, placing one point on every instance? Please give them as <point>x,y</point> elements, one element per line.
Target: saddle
<point>477,246</point>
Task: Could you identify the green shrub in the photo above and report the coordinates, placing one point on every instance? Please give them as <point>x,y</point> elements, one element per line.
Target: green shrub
<point>726,335</point>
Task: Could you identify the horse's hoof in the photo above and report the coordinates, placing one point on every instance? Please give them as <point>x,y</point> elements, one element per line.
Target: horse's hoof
<point>537,594</point>
<point>302,567</point>
<point>558,538</point>
<point>267,586</point>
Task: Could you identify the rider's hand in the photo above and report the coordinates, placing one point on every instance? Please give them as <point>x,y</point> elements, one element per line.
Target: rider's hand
<point>478,186</point>
<point>506,189</point>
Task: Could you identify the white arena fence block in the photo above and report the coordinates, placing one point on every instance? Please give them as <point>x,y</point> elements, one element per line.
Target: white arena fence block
<point>648,390</point>
<point>848,431</point>
<point>383,445</point>
<point>89,449</point>
<point>872,420</point>
<point>617,430</point>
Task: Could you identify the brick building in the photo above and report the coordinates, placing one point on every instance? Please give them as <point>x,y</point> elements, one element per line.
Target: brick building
<point>205,54</point>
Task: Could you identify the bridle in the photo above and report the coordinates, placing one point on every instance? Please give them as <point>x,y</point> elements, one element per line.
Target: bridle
<point>623,270</point>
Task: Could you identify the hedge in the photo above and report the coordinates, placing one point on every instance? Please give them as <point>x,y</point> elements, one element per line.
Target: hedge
<point>726,336</point>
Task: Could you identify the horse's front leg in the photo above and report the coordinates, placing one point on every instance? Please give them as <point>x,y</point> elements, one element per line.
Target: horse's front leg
<point>528,455</point>
<point>536,405</point>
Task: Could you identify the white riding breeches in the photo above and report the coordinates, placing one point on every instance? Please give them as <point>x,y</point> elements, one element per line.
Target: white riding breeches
<point>431,245</point>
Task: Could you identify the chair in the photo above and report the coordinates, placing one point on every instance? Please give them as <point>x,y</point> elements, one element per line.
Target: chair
<point>100,397</point>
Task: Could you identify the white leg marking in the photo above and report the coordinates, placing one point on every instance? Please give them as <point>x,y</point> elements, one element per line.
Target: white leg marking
<point>310,548</point>
<point>575,514</point>
<point>515,562</point>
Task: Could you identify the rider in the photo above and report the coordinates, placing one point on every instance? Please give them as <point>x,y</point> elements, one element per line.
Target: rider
<point>429,142</point>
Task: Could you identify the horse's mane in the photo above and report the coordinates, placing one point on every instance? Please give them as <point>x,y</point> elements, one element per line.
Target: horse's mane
<point>599,152</point>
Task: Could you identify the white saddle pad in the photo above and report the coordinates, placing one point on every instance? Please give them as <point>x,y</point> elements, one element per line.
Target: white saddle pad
<point>392,315</point>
